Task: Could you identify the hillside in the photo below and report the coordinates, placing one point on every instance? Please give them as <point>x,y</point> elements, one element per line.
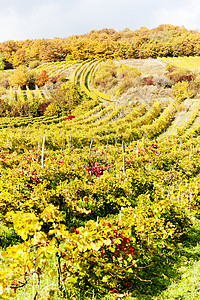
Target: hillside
<point>100,177</point>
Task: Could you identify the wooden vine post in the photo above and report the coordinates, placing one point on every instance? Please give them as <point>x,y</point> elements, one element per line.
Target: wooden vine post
<point>90,148</point>
<point>143,142</point>
<point>123,149</point>
<point>70,141</point>
<point>191,151</point>
<point>137,149</point>
<point>42,161</point>
<point>34,260</point>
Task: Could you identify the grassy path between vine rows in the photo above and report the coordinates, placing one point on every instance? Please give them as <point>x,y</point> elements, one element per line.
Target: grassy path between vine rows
<point>179,118</point>
<point>187,284</point>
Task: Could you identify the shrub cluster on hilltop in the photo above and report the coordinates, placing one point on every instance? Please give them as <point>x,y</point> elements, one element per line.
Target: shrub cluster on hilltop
<point>118,79</point>
<point>162,41</point>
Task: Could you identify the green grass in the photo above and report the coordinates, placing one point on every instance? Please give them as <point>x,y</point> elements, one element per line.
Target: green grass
<point>177,279</point>
<point>187,283</point>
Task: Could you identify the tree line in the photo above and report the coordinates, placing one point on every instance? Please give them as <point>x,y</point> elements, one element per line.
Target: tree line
<point>162,41</point>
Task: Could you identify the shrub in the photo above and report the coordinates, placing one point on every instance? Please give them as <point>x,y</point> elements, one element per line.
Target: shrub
<point>54,79</point>
<point>181,91</point>
<point>23,77</point>
<point>34,64</point>
<point>19,77</point>
<point>127,71</point>
<point>2,62</point>
<point>42,78</point>
<point>149,80</point>
<point>34,108</point>
<point>43,107</point>
<point>4,79</point>
<point>106,259</point>
<point>127,76</point>
<point>162,81</point>
<point>125,84</point>
<point>51,110</point>
<point>194,86</point>
<point>106,76</point>
<point>4,83</point>
<point>58,79</point>
<point>176,75</point>
<point>4,108</point>
<point>31,78</point>
<point>66,97</point>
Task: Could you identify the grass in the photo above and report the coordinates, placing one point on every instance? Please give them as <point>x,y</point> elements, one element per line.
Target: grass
<point>190,63</point>
<point>187,285</point>
<point>177,279</point>
<point>186,288</point>
<point>147,67</point>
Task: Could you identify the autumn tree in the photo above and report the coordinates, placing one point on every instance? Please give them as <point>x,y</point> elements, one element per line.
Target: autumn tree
<point>42,78</point>
<point>23,77</point>
<point>19,58</point>
<point>66,97</point>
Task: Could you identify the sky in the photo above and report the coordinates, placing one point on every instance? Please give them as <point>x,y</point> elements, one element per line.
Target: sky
<point>24,19</point>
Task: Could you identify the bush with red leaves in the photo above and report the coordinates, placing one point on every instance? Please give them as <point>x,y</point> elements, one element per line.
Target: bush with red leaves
<point>43,107</point>
<point>70,117</point>
<point>148,80</point>
<point>42,78</point>
<point>96,169</point>
<point>176,75</point>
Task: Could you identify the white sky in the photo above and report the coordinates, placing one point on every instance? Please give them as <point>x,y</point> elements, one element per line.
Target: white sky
<point>24,19</point>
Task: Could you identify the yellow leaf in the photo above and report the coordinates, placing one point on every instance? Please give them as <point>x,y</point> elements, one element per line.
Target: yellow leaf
<point>37,262</point>
<point>105,278</point>
<point>73,279</point>
<point>52,274</point>
<point>112,249</point>
<point>98,272</point>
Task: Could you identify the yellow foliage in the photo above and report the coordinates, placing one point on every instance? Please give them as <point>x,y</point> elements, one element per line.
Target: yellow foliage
<point>181,91</point>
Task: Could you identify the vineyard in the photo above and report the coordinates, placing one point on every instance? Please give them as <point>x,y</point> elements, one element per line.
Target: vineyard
<point>99,200</point>
<point>191,62</point>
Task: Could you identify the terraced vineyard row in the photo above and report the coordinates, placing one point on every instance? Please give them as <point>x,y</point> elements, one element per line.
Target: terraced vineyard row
<point>190,63</point>
<point>83,76</point>
<point>101,123</point>
<point>186,121</point>
<point>108,122</point>
<point>56,68</point>
<point>24,121</point>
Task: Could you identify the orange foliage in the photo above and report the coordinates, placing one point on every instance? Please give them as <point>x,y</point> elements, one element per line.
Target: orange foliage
<point>164,40</point>
<point>42,78</point>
